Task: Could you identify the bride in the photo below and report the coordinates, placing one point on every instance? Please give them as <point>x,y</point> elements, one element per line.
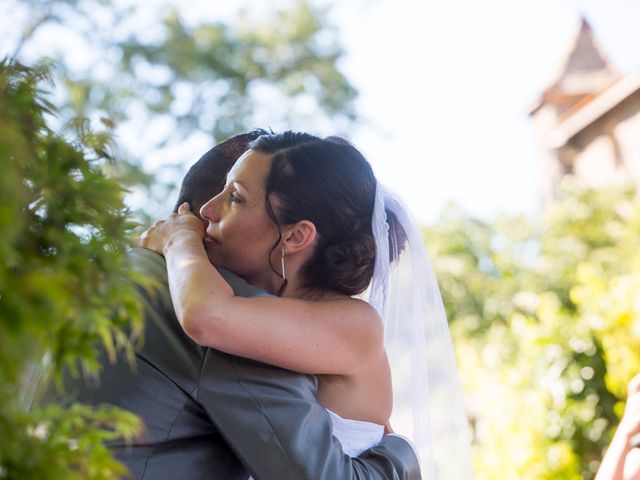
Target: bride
<point>305,219</point>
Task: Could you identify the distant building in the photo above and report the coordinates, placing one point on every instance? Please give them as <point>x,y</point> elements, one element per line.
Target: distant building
<point>588,120</point>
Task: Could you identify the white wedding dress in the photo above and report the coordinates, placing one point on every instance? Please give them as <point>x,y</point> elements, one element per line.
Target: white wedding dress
<point>355,436</point>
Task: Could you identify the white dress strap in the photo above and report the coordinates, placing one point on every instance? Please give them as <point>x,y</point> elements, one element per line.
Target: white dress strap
<point>356,436</point>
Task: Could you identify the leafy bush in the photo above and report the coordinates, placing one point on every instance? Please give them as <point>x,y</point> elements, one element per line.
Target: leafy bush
<point>65,285</point>
<point>546,320</point>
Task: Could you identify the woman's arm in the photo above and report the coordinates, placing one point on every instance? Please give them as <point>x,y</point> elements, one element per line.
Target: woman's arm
<point>324,337</point>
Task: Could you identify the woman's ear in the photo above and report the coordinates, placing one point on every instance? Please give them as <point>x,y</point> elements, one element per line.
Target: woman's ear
<point>299,236</point>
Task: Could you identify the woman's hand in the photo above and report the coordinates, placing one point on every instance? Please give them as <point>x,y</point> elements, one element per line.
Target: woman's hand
<point>163,233</point>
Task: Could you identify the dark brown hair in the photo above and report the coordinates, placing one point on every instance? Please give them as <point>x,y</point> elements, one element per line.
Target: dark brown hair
<point>330,183</point>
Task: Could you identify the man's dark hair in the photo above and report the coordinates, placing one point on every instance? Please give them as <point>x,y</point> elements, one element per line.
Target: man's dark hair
<point>206,178</point>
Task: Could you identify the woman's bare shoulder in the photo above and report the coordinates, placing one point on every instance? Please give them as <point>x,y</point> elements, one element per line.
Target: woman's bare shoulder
<point>361,312</point>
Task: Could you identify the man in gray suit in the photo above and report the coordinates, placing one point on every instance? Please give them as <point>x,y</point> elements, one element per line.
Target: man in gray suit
<point>209,415</point>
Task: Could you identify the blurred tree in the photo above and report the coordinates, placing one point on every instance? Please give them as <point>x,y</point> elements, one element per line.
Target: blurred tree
<point>546,322</point>
<point>169,75</point>
<point>64,285</point>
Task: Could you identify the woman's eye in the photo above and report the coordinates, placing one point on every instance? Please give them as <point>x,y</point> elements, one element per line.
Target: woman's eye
<point>234,198</point>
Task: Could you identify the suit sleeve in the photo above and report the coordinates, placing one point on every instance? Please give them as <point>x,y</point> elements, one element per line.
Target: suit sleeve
<point>273,423</point>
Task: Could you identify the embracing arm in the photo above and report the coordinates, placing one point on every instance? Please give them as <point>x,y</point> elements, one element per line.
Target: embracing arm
<point>278,430</point>
<point>272,421</point>
<point>328,337</point>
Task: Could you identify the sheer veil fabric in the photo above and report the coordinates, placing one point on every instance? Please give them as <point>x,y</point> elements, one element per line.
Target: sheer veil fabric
<point>428,402</point>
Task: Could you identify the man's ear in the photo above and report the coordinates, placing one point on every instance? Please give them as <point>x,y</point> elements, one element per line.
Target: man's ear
<point>299,236</point>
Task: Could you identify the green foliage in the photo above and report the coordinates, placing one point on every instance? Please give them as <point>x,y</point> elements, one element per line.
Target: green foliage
<point>545,317</point>
<point>65,285</point>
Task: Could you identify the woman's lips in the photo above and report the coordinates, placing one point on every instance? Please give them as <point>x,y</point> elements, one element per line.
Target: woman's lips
<point>210,240</point>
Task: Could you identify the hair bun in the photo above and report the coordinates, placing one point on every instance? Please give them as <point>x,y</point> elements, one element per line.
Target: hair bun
<point>348,265</point>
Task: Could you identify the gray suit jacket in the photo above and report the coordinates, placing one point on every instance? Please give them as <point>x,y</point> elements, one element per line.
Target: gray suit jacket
<point>209,415</point>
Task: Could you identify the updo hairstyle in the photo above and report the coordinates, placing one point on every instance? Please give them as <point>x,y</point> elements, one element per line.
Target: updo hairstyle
<point>329,183</point>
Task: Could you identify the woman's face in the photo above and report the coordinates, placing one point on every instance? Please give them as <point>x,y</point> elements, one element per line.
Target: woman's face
<point>240,234</point>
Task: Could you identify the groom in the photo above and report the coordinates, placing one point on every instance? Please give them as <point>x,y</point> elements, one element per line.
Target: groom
<point>215,416</point>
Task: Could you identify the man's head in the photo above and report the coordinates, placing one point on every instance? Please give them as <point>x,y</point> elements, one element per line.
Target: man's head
<point>206,178</point>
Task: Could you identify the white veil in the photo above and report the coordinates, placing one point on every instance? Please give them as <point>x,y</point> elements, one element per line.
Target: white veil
<point>428,403</point>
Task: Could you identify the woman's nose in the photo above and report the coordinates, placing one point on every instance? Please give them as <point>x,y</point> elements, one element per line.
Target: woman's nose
<point>211,209</point>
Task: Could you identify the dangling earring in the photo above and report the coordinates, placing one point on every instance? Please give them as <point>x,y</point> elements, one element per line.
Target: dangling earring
<point>283,252</point>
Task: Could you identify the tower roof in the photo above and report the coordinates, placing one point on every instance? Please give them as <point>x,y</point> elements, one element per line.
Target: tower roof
<point>585,57</point>
<point>584,71</point>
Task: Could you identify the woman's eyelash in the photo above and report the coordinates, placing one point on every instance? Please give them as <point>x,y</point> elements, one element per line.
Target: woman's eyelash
<point>234,198</point>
